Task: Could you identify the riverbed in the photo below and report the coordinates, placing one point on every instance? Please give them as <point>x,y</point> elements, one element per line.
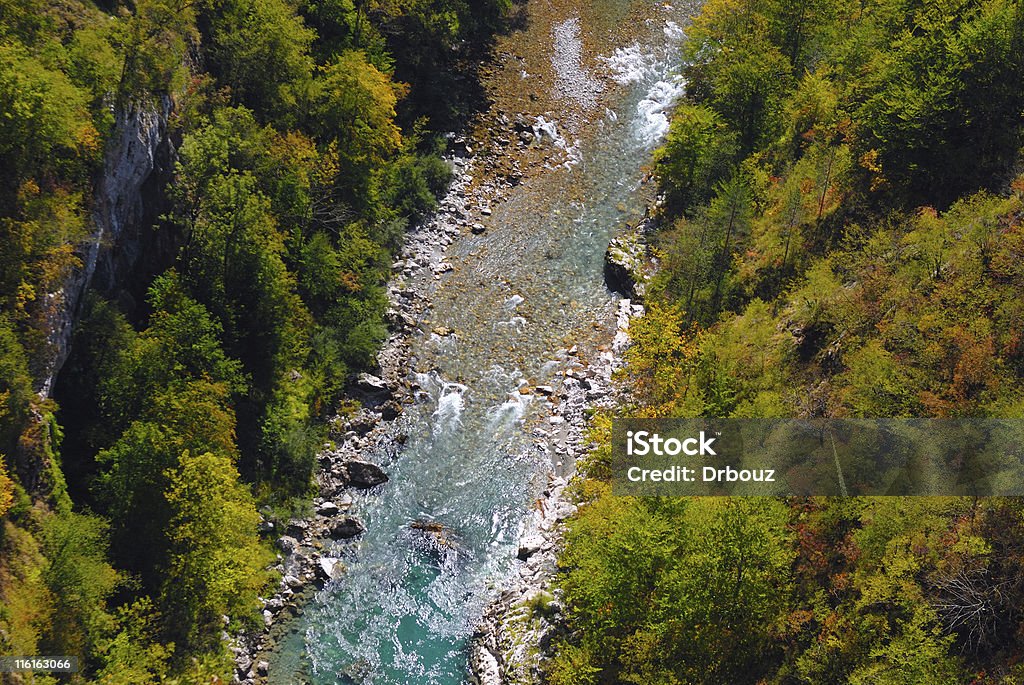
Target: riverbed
<point>514,305</point>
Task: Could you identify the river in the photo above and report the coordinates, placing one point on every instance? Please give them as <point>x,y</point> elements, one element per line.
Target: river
<point>518,297</point>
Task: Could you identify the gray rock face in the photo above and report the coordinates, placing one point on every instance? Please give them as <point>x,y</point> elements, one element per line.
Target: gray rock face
<point>328,509</point>
<point>131,157</point>
<point>363,474</point>
<point>330,568</point>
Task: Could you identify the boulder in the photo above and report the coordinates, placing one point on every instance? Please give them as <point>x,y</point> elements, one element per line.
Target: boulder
<point>363,474</point>
<point>372,384</point>
<point>297,527</point>
<point>287,544</point>
<point>328,509</point>
<point>346,527</point>
<point>623,267</point>
<point>330,568</point>
<point>529,546</point>
<point>243,664</point>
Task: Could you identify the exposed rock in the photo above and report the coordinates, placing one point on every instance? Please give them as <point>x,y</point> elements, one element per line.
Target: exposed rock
<point>330,568</point>
<point>243,664</point>
<point>346,527</point>
<point>287,544</point>
<point>328,509</point>
<point>624,262</point>
<point>429,526</point>
<point>529,546</point>
<point>297,527</point>
<point>133,155</point>
<point>363,474</point>
<point>370,383</point>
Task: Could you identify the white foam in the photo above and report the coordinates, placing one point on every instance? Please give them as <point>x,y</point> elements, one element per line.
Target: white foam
<point>514,301</point>
<point>450,404</point>
<point>630,64</point>
<point>543,128</point>
<point>652,120</point>
<point>509,412</point>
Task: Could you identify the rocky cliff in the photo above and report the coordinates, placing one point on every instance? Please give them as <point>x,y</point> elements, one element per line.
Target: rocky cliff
<point>139,149</point>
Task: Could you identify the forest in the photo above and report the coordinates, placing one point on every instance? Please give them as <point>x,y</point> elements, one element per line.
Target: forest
<point>306,137</point>
<point>841,235</point>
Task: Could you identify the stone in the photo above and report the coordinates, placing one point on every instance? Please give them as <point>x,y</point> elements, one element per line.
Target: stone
<point>263,668</point>
<point>545,390</point>
<point>330,568</point>
<point>328,509</point>
<point>287,544</point>
<point>429,526</point>
<point>347,527</point>
<point>623,267</point>
<point>529,546</point>
<point>296,527</point>
<point>371,383</point>
<point>291,581</point>
<point>363,474</point>
<point>477,229</point>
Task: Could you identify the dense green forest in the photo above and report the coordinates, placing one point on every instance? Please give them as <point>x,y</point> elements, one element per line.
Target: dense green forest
<point>842,235</point>
<point>305,138</point>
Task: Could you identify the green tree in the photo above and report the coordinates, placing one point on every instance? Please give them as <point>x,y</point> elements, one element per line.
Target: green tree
<point>695,157</point>
<point>216,560</point>
<point>81,580</point>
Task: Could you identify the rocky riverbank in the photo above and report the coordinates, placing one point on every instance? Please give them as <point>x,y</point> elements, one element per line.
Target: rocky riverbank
<point>303,562</point>
<point>515,633</point>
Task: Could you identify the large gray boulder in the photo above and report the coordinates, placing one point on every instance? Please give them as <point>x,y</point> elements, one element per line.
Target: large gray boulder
<point>363,474</point>
<point>346,527</point>
<point>624,266</point>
